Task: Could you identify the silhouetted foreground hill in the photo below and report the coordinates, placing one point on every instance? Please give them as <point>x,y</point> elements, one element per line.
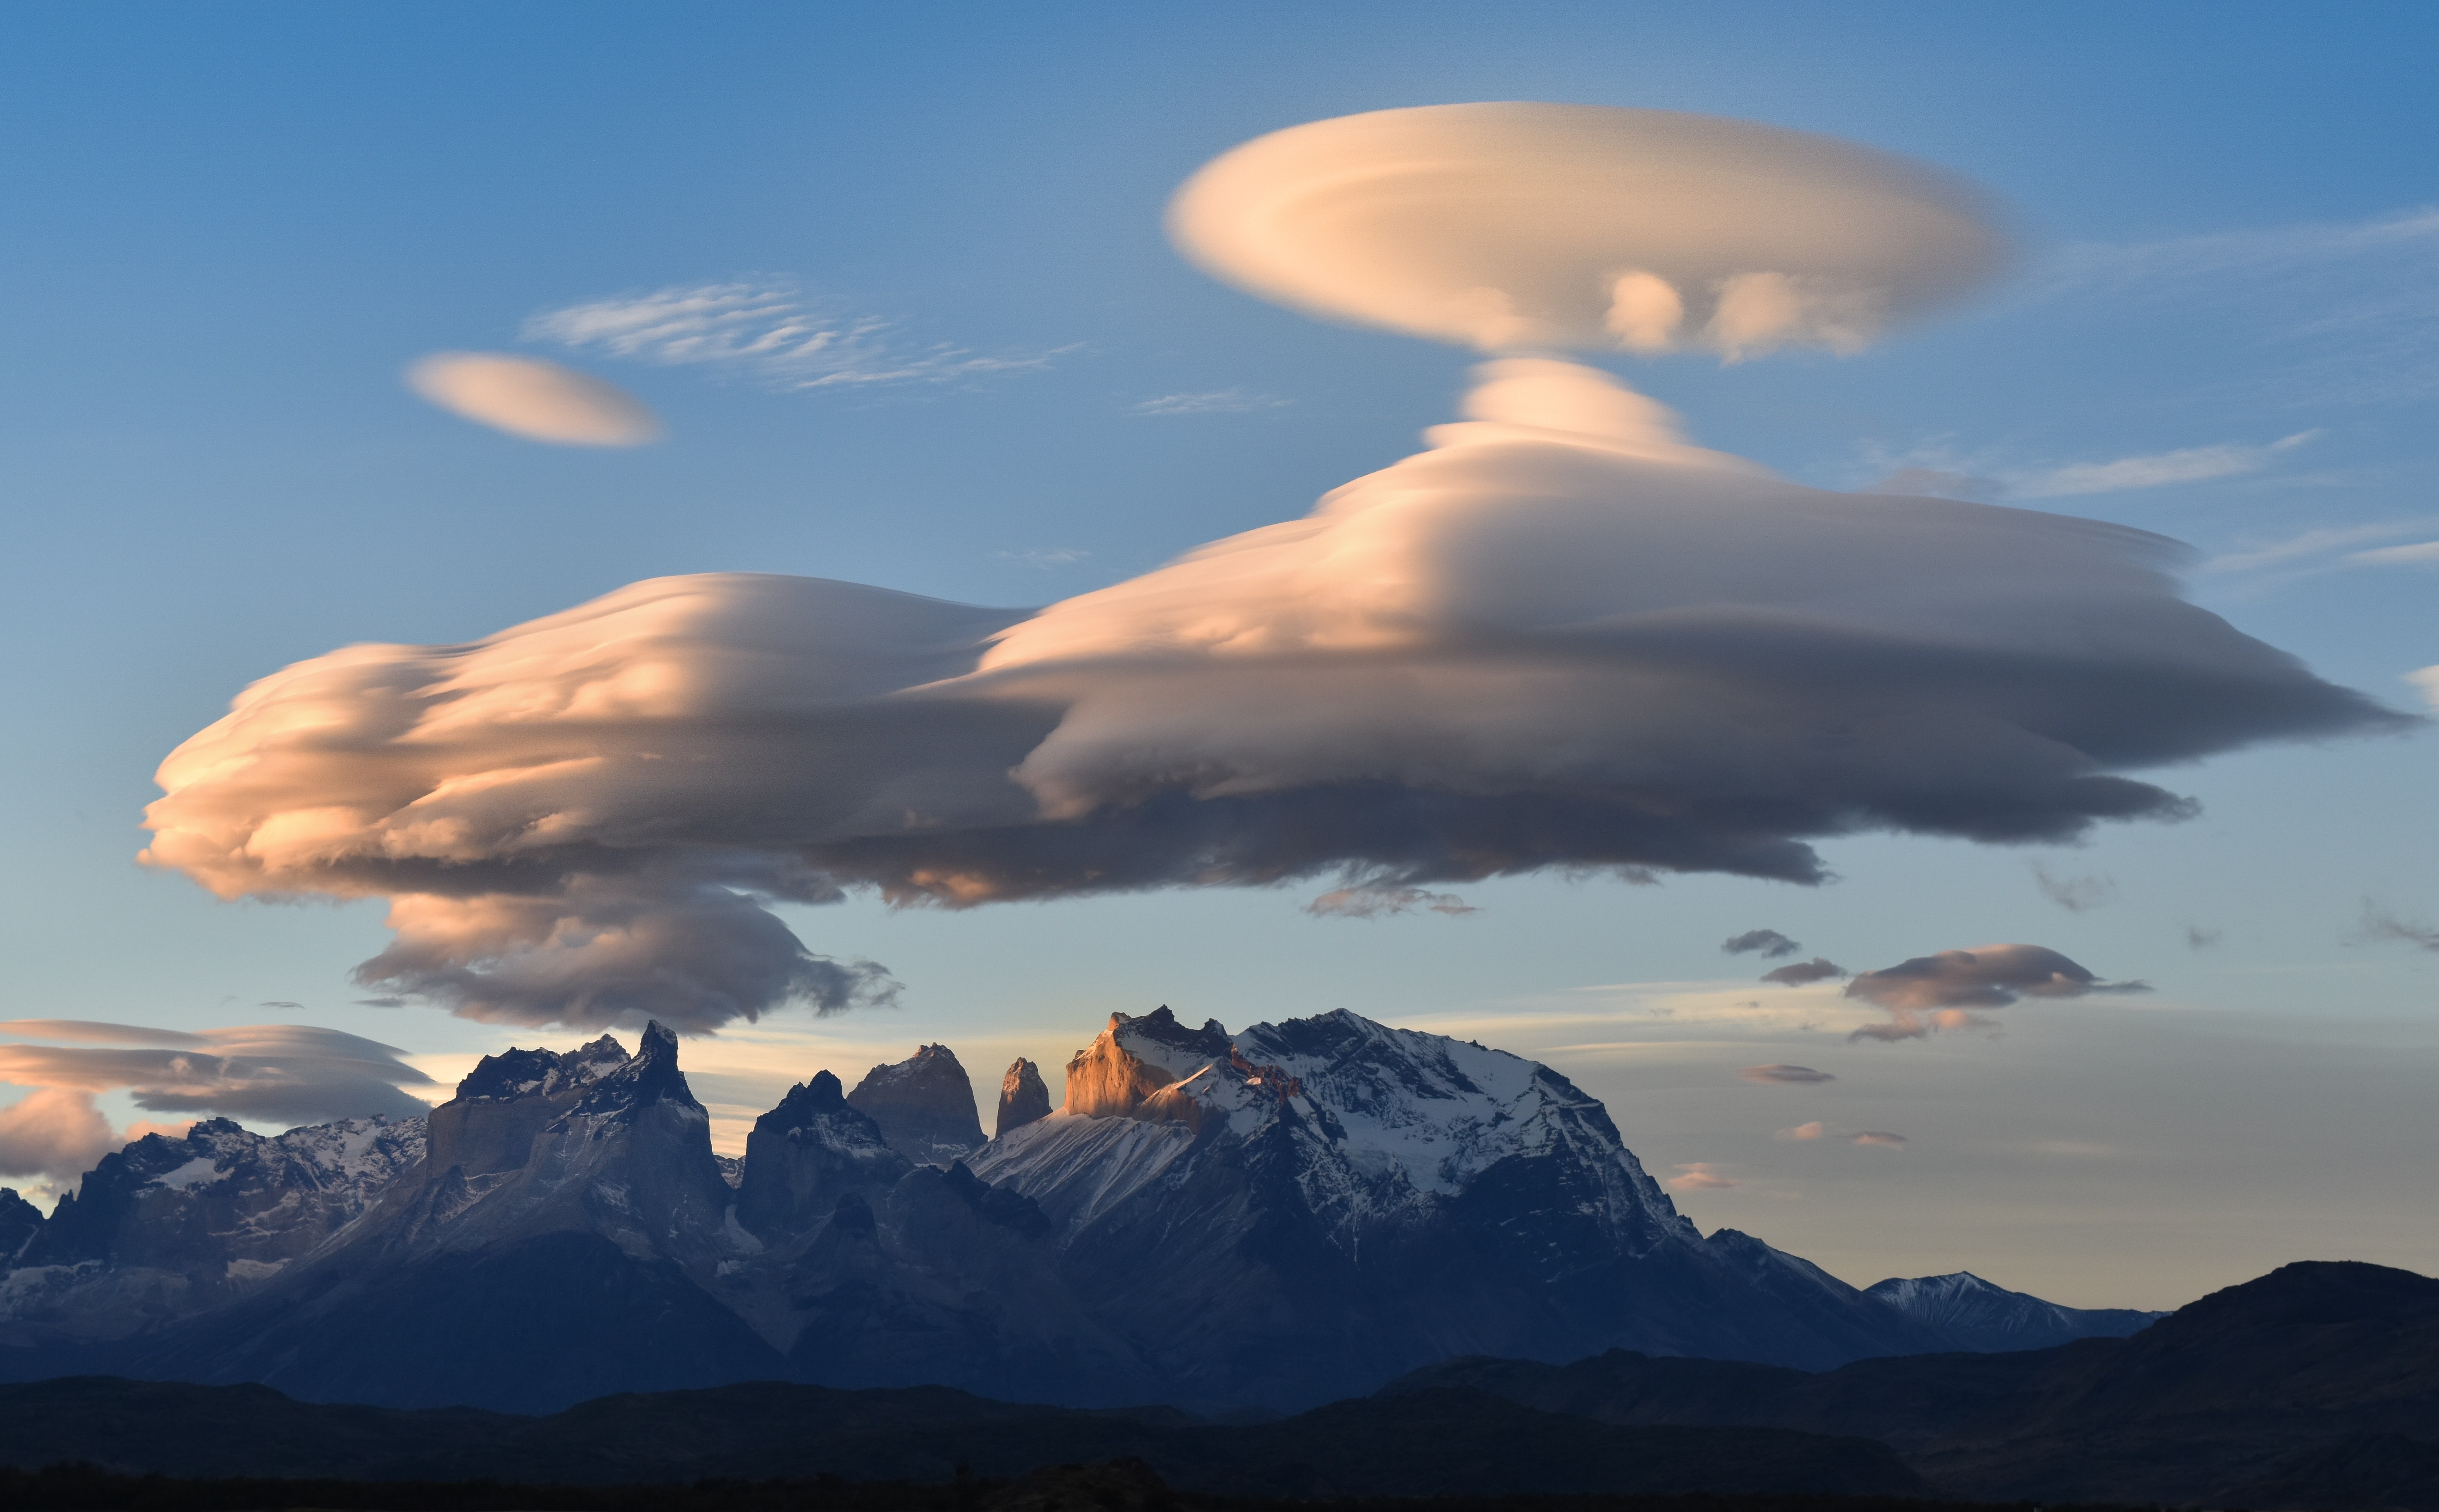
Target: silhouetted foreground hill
<point>1426,1444</point>
<point>2316,1385</point>
<point>1121,1486</point>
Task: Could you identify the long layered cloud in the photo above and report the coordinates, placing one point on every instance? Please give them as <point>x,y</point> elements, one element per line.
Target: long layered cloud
<point>292,1073</point>
<point>1518,226</point>
<point>1562,636</point>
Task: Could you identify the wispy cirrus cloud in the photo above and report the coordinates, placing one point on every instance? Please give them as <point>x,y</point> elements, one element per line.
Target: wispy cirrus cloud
<point>1218,401</point>
<point>770,328</point>
<point>2158,470</point>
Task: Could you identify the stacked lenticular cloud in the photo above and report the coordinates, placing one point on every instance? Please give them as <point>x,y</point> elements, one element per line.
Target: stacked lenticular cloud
<point>1561,635</point>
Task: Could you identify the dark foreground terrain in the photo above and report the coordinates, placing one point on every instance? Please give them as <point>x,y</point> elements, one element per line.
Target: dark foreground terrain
<point>1122,1486</point>
<point>2315,1387</point>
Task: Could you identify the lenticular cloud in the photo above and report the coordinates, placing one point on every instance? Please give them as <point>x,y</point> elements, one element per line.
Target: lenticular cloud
<point>1562,636</point>
<point>1519,226</point>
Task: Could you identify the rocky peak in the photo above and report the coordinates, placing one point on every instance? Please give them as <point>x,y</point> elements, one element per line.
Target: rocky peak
<point>652,1076</point>
<point>808,1154</point>
<point>1022,1096</point>
<point>924,1105</point>
<point>20,1220</point>
<point>1135,1058</point>
<point>542,1073</point>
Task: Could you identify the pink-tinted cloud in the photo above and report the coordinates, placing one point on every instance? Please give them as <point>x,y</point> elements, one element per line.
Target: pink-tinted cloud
<point>1697,1175</point>
<point>1930,993</point>
<point>1522,226</point>
<point>1804,1133</point>
<point>1778,1072</point>
<point>537,400</point>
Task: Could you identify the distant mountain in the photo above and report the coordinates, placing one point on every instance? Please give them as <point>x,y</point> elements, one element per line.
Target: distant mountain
<point>1977,1315</point>
<point>2316,1385</point>
<point>1274,1219</point>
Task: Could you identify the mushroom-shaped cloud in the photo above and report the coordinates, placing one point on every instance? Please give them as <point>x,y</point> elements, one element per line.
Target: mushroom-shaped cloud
<point>1508,226</point>
<point>540,401</point>
<point>1562,637</point>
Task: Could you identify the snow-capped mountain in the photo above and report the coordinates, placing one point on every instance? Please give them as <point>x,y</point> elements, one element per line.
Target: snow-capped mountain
<point>1991,1319</point>
<point>166,1228</point>
<point>1296,1212</point>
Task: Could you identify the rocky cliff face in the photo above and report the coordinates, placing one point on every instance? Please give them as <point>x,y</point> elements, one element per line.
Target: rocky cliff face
<point>20,1220</point>
<point>924,1105</point>
<point>1274,1218</point>
<point>806,1154</point>
<point>1023,1098</point>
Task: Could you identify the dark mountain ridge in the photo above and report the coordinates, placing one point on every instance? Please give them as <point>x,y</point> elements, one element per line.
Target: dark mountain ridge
<point>1273,1219</point>
<point>2312,1374</point>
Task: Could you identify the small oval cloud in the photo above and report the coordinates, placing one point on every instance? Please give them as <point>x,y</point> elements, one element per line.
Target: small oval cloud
<point>538,400</point>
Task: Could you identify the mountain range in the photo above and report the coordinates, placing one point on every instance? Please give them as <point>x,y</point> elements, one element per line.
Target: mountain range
<point>1269,1220</point>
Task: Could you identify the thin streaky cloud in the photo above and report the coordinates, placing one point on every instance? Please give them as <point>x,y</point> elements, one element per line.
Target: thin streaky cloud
<point>2195,464</point>
<point>2301,548</point>
<point>2418,554</point>
<point>1045,556</point>
<point>769,328</point>
<point>2273,250</point>
<point>1218,401</point>
<point>1697,1175</point>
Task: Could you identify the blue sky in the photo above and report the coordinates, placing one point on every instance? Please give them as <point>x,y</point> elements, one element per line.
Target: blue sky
<point>231,230</point>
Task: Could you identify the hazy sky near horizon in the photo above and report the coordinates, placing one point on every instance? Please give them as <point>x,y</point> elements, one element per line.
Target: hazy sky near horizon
<point>232,233</point>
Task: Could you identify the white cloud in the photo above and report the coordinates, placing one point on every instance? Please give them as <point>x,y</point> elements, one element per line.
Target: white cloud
<point>1508,226</point>
<point>1218,401</point>
<point>2192,464</point>
<point>2310,544</point>
<point>1562,638</point>
<point>539,402</point>
<point>2419,554</point>
<point>2427,680</point>
<point>770,330</point>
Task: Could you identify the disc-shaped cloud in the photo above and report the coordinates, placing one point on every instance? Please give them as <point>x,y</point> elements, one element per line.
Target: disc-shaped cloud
<point>1560,637</point>
<point>1517,226</point>
<point>281,1073</point>
<point>540,402</point>
<point>1942,991</point>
